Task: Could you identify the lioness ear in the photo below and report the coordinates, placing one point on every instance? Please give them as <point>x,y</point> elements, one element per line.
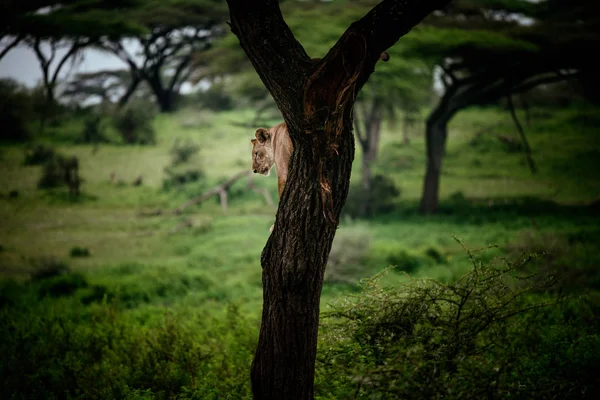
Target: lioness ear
<point>262,135</point>
<point>253,141</point>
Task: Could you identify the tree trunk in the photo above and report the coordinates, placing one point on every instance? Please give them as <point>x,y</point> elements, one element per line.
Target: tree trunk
<point>370,145</point>
<point>135,82</point>
<point>455,98</point>
<point>316,100</point>
<point>164,97</point>
<point>165,100</point>
<point>435,141</point>
<point>293,263</point>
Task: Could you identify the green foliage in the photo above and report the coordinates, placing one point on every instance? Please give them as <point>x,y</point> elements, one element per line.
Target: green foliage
<point>61,285</point>
<point>134,123</point>
<point>142,274</point>
<point>382,197</point>
<point>404,261</point>
<point>182,171</point>
<point>80,252</point>
<point>215,98</point>
<point>94,131</point>
<point>15,111</point>
<point>60,170</point>
<point>458,340</point>
<point>348,251</point>
<point>52,174</point>
<point>100,352</point>
<point>39,155</point>
<point>569,255</point>
<point>178,177</point>
<point>182,151</point>
<point>47,267</point>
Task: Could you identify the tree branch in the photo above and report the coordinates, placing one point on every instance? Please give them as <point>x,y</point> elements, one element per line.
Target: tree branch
<point>384,25</point>
<point>11,45</point>
<point>75,47</point>
<point>285,60</point>
<point>513,114</point>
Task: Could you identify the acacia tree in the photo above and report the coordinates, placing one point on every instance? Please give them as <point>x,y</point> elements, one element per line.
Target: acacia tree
<point>316,99</point>
<point>461,93</point>
<point>486,52</point>
<point>177,30</point>
<point>105,85</point>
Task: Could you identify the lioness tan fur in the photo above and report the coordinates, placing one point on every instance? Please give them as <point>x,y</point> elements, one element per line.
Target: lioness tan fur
<point>272,146</point>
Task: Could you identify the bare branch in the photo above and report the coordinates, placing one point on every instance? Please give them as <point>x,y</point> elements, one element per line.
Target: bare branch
<point>15,41</point>
<point>513,114</point>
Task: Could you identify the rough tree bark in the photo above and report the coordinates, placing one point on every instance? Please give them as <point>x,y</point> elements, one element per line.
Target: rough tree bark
<point>316,100</point>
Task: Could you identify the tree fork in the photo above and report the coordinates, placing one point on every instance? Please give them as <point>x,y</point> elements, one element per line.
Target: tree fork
<point>316,99</point>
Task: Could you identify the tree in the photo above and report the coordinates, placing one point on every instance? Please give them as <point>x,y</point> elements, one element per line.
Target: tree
<point>53,55</point>
<point>58,30</point>
<point>105,85</point>
<point>316,100</point>
<point>400,84</point>
<point>15,16</point>
<point>177,29</point>
<point>486,52</point>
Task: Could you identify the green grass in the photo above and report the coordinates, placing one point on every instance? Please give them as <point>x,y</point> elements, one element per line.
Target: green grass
<point>204,260</point>
<point>108,220</point>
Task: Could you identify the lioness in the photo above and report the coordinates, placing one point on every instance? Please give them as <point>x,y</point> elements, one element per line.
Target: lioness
<point>272,146</point>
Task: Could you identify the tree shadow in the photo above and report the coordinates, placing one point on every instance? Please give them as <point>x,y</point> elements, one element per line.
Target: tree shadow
<point>477,211</point>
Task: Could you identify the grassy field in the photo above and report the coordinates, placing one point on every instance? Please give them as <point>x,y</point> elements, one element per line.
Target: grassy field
<point>200,264</point>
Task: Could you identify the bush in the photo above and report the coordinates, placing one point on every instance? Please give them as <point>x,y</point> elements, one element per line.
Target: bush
<point>182,152</point>
<point>574,256</point>
<point>94,131</point>
<point>38,155</point>
<point>60,171</point>
<point>462,340</point>
<point>102,353</point>
<point>403,261</point>
<point>62,285</point>
<point>215,98</point>
<point>80,252</point>
<point>380,199</point>
<point>179,177</point>
<point>349,248</point>
<point>134,122</point>
<point>52,174</point>
<point>47,267</point>
<point>10,292</point>
<point>15,111</point>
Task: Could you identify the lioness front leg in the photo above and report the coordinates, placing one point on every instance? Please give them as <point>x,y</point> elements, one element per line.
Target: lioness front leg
<point>281,184</point>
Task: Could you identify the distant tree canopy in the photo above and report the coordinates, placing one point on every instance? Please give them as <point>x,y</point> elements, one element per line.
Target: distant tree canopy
<point>491,49</point>
<point>156,39</point>
<point>176,29</point>
<point>103,85</point>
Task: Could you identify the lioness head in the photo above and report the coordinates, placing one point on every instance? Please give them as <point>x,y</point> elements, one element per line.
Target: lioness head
<point>262,152</point>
